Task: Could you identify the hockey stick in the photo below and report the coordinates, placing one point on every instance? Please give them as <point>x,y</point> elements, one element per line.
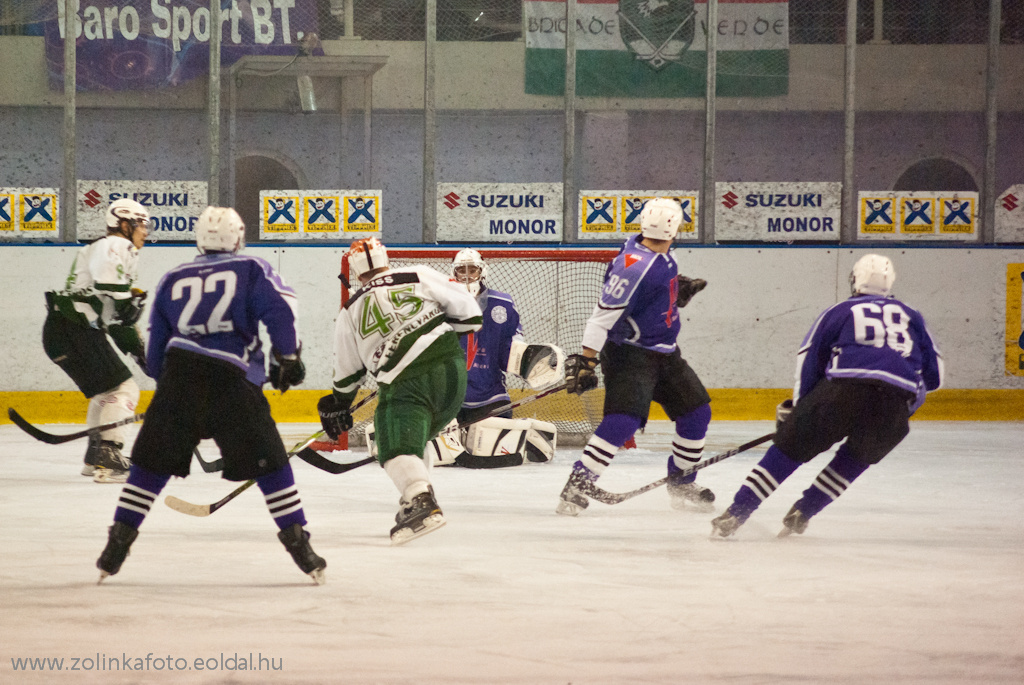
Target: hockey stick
<point>592,491</point>
<point>54,439</point>
<point>206,509</point>
<point>209,466</point>
<point>313,458</point>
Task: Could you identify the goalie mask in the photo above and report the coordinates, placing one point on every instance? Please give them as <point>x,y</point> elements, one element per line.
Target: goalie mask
<point>660,219</point>
<point>469,268</point>
<point>220,229</point>
<point>873,274</point>
<point>366,255</point>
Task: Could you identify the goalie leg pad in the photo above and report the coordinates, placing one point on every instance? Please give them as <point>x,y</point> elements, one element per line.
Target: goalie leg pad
<point>496,443</point>
<point>539,365</point>
<point>446,448</point>
<point>540,441</point>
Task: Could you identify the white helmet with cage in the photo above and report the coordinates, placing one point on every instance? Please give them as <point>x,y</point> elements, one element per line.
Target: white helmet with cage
<point>220,229</point>
<point>660,219</point>
<point>127,209</point>
<point>470,269</point>
<point>365,255</point>
<point>873,274</point>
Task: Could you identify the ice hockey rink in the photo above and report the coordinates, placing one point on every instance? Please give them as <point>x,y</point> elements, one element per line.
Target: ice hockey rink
<point>913,576</point>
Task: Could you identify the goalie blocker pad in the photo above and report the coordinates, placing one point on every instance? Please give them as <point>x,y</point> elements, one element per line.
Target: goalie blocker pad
<point>497,443</point>
<point>539,365</point>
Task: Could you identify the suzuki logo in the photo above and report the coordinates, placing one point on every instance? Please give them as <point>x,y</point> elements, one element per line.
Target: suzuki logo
<point>451,200</point>
<point>1010,202</point>
<point>92,198</point>
<point>729,199</point>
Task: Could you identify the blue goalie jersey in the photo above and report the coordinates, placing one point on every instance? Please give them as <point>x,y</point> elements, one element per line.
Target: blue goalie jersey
<point>873,338</point>
<point>213,306</point>
<point>487,349</point>
<point>638,303</point>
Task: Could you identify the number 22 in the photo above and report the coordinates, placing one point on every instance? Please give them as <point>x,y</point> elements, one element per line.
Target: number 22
<point>196,287</point>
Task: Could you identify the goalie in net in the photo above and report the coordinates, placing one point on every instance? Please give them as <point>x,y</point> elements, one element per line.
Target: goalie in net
<point>500,348</point>
<point>553,293</point>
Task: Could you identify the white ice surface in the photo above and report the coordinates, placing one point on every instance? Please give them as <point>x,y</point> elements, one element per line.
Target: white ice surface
<point>916,575</point>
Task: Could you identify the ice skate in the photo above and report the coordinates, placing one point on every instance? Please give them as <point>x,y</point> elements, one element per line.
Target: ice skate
<point>572,501</point>
<point>92,456</point>
<point>119,540</point>
<point>111,465</point>
<point>416,518</point>
<point>296,540</point>
<point>690,496</point>
<point>725,525</point>
<point>794,522</point>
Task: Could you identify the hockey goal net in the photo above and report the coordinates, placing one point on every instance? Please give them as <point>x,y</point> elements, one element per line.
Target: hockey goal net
<point>555,291</point>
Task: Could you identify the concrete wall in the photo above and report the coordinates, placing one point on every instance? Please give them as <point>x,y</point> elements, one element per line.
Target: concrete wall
<point>741,332</point>
<point>914,103</point>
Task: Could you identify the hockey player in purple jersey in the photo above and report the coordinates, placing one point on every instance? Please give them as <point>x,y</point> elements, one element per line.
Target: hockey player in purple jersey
<point>634,328</point>
<point>862,371</point>
<point>487,350</point>
<point>497,349</point>
<point>205,352</point>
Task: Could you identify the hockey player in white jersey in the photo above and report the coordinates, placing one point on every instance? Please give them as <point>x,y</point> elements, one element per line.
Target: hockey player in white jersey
<point>402,327</point>
<point>99,298</point>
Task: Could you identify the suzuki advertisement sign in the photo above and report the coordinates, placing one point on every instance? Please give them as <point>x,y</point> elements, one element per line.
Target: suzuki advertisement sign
<point>499,212</point>
<point>173,206</point>
<point>778,212</point>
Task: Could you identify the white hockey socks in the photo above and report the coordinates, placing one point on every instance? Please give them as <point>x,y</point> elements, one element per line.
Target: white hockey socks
<point>111,406</point>
<point>409,474</point>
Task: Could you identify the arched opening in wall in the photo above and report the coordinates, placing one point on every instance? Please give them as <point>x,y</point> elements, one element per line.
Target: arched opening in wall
<point>253,174</point>
<point>936,174</point>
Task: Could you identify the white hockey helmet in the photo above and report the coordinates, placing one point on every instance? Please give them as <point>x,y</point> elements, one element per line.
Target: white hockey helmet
<point>220,229</point>
<point>365,255</point>
<point>660,219</point>
<point>470,269</point>
<point>873,274</point>
<point>127,209</point>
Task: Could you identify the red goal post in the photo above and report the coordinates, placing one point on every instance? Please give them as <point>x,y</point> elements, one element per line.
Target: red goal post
<point>555,290</point>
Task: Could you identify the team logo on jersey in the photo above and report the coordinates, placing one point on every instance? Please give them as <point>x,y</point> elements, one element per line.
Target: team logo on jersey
<point>630,260</point>
<point>499,314</point>
<point>657,31</point>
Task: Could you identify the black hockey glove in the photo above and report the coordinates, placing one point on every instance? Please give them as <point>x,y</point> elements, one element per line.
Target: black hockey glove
<point>286,371</point>
<point>579,373</point>
<point>782,412</point>
<point>334,415</point>
<point>129,311</point>
<point>129,340</point>
<point>688,287</point>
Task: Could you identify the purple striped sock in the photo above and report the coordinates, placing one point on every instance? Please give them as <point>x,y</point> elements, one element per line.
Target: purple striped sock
<point>282,497</point>
<point>138,494</point>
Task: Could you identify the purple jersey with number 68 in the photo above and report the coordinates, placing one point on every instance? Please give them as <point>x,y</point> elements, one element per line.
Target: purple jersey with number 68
<point>873,338</point>
<point>638,302</point>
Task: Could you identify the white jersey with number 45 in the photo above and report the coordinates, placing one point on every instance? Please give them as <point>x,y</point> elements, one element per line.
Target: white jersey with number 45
<point>392,319</point>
